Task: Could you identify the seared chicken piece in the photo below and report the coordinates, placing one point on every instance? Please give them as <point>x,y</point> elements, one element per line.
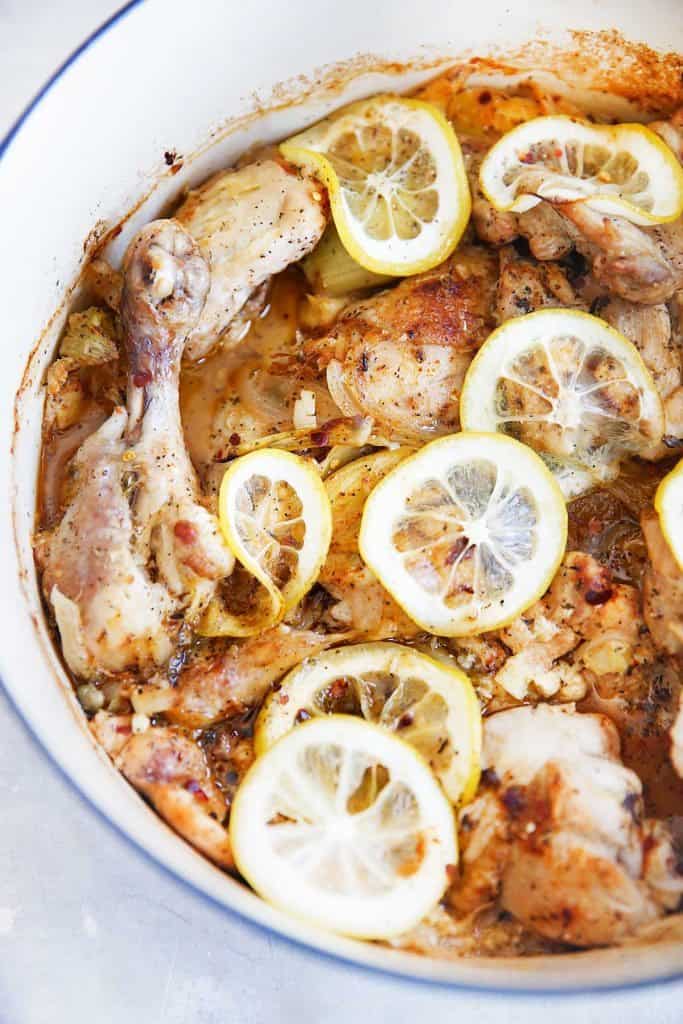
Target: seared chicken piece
<point>637,264</point>
<point>109,613</point>
<point>214,686</point>
<point>134,490</point>
<point>172,773</point>
<point>559,837</point>
<point>525,285</point>
<point>543,228</point>
<point>165,284</point>
<point>401,356</point>
<point>250,224</point>
<point>650,330</point>
<point>662,589</point>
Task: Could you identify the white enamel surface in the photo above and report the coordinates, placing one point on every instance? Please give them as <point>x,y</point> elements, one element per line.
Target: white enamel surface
<point>160,79</point>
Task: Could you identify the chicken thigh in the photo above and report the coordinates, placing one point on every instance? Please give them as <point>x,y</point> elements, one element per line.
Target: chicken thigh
<point>558,835</point>
<point>401,356</point>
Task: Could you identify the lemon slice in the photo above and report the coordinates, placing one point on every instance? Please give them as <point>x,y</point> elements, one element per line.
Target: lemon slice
<point>343,824</point>
<point>467,533</point>
<point>568,385</point>
<point>622,169</point>
<point>430,705</point>
<point>275,516</point>
<point>396,179</point>
<point>669,506</point>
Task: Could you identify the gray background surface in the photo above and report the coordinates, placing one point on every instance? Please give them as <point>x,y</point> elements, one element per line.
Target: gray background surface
<point>92,931</point>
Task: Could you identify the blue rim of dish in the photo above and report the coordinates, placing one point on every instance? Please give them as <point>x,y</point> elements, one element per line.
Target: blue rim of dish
<point>307,947</point>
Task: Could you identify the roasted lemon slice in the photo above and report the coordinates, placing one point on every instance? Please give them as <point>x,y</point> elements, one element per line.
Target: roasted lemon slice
<point>669,506</point>
<point>570,386</point>
<point>430,705</point>
<point>275,516</point>
<point>396,179</point>
<point>467,533</point>
<point>343,824</point>
<point>620,169</point>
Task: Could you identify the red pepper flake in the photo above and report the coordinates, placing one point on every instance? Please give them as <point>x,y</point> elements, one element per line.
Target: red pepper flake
<point>142,378</point>
<point>192,786</point>
<point>124,730</point>
<point>527,158</point>
<point>185,531</point>
<point>235,439</point>
<point>283,698</point>
<point>558,152</point>
<point>320,438</point>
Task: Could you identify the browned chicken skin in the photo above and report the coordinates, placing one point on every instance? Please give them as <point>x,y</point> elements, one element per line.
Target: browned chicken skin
<point>401,356</point>
<point>173,774</point>
<point>558,835</point>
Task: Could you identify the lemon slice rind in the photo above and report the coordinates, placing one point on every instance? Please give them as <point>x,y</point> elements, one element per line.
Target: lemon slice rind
<point>459,777</point>
<point>511,340</point>
<point>512,157</point>
<point>278,466</point>
<point>518,471</point>
<point>438,236</point>
<point>669,508</point>
<point>369,874</point>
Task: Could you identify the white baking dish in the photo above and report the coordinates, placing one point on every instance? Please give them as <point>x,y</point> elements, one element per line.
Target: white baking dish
<point>169,77</point>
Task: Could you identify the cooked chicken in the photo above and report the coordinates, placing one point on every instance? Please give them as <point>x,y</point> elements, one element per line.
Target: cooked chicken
<point>111,612</point>
<point>173,774</point>
<point>525,285</point>
<point>401,356</point>
<point>662,589</point>
<point>217,685</point>
<point>637,264</point>
<point>558,836</point>
<point>111,616</point>
<point>250,224</point>
<point>650,330</point>
<point>170,520</point>
<point>543,228</point>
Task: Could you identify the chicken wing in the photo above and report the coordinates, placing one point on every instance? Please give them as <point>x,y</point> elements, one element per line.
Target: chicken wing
<point>250,223</point>
<point>401,356</point>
